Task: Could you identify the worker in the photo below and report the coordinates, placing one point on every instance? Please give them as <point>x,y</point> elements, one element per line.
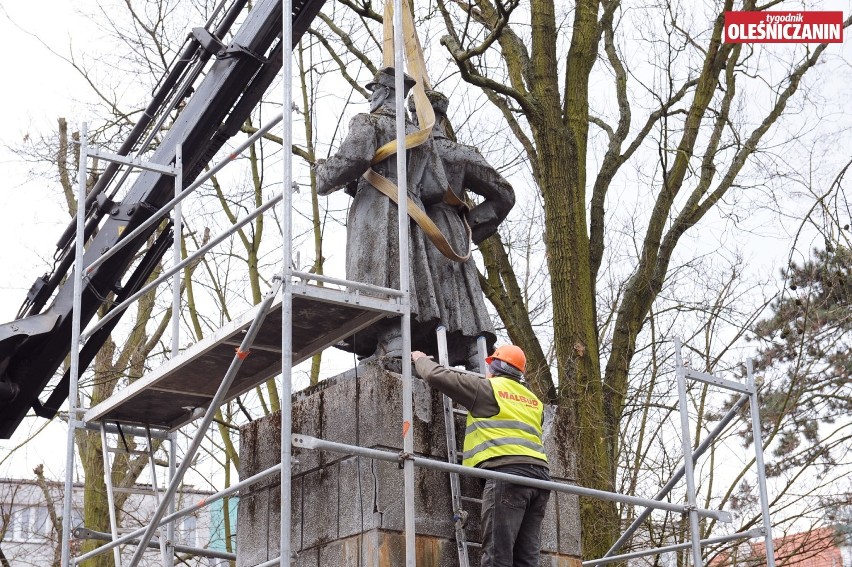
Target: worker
<point>503,434</point>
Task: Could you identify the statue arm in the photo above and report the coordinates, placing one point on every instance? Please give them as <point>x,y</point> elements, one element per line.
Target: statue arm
<point>481,178</point>
<point>351,160</point>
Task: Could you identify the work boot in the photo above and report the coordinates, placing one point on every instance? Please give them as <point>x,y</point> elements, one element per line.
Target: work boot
<point>474,359</point>
<point>389,344</point>
<point>389,351</point>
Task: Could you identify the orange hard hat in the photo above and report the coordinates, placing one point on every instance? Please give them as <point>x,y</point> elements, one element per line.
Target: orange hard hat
<point>510,354</point>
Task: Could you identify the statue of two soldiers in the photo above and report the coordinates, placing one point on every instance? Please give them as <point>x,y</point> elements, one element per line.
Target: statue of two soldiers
<point>444,291</point>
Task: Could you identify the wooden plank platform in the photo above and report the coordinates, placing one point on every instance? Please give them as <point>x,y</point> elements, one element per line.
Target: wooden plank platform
<point>168,397</point>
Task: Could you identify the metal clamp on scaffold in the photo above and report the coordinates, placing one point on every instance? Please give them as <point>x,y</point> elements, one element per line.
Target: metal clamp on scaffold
<point>404,456</point>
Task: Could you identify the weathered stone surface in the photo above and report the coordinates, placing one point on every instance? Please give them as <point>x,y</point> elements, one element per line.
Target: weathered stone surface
<point>252,536</point>
<point>310,558</point>
<point>379,398</point>
<point>347,509</point>
<point>566,509</point>
<point>356,489</point>
<point>558,444</point>
<point>265,450</point>
<point>344,552</point>
<point>319,517</point>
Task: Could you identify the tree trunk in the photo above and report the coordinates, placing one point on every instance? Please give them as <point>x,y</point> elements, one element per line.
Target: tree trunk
<point>500,286</point>
<point>561,141</point>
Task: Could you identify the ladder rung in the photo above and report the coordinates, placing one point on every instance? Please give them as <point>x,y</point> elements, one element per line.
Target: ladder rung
<point>128,452</point>
<point>148,491</point>
<point>474,500</point>
<point>459,411</point>
<point>472,544</point>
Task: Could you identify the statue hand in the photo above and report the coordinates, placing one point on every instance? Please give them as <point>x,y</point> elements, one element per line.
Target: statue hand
<point>483,222</point>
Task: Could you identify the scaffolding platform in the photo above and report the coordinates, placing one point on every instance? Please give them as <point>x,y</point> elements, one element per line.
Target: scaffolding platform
<point>169,396</point>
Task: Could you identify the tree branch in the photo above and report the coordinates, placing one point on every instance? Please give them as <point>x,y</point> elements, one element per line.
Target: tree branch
<point>472,76</point>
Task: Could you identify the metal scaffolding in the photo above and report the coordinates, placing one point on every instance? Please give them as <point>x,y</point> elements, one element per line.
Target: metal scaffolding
<point>748,393</point>
<point>172,396</point>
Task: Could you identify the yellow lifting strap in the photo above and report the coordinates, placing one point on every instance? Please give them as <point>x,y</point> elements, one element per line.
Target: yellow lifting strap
<point>425,118</point>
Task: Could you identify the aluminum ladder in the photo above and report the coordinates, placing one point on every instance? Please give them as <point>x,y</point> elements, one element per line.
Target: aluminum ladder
<point>119,435</point>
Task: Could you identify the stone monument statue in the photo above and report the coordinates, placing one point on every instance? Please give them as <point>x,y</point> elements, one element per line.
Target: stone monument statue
<point>442,291</point>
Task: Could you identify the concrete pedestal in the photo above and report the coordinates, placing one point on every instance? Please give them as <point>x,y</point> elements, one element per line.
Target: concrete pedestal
<point>348,511</point>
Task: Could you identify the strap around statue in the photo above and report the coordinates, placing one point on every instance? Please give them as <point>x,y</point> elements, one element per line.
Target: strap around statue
<point>426,118</point>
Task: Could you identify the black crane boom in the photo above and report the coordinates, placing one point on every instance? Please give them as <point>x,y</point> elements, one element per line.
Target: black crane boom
<point>34,346</point>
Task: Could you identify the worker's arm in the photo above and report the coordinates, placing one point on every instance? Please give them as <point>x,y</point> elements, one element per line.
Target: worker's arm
<point>469,390</point>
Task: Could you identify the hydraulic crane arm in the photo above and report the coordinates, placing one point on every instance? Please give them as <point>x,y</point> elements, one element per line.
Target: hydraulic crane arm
<point>34,346</point>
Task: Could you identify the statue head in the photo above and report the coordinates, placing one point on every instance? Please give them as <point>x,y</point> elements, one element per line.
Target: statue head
<point>384,83</point>
<point>439,102</point>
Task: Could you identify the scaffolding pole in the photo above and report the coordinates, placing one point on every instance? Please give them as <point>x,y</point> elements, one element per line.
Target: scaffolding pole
<point>309,442</point>
<point>675,547</point>
<point>686,445</point>
<point>404,286</point>
<point>74,373</point>
<point>177,245</point>
<point>126,429</point>
<point>705,444</point>
<point>84,533</point>
<point>165,209</point>
<point>213,407</point>
<point>77,335</point>
<point>113,516</point>
<point>170,526</point>
<point>168,553</point>
<point>761,467</point>
<point>285,523</point>
<point>181,265</point>
<point>134,535</point>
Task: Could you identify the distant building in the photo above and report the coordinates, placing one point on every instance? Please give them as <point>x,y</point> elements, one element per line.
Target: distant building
<point>822,547</point>
<point>28,535</point>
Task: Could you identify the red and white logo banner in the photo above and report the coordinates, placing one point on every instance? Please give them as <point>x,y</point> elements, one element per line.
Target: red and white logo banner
<point>784,27</point>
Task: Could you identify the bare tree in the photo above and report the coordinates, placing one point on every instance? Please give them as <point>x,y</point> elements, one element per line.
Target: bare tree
<point>677,120</point>
<point>701,147</point>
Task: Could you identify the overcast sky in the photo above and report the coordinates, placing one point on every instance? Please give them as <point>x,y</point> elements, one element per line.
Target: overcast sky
<point>37,88</point>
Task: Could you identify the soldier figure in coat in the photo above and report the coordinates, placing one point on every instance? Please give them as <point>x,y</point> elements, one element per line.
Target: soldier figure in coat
<point>460,300</point>
<point>442,291</point>
<point>372,242</point>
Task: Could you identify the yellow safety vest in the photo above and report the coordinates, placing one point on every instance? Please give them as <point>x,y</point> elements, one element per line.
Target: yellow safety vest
<point>515,430</point>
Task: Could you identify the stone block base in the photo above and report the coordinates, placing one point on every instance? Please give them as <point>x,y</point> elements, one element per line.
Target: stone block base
<point>349,510</point>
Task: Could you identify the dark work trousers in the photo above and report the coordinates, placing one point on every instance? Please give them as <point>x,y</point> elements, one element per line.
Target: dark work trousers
<point>511,524</point>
